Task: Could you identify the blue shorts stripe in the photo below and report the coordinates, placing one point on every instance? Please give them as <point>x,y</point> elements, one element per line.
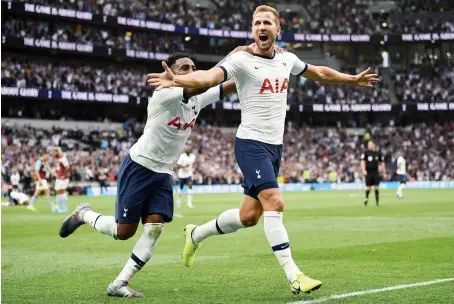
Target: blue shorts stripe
<point>281,246</point>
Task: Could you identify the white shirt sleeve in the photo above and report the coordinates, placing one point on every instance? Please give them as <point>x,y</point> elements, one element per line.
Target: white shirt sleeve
<point>65,162</point>
<point>167,95</point>
<point>298,66</point>
<point>210,96</point>
<point>192,159</point>
<point>38,165</point>
<point>233,65</point>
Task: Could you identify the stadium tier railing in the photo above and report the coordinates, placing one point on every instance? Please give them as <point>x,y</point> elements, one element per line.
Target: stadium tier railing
<point>77,96</point>
<point>89,18</point>
<point>88,97</point>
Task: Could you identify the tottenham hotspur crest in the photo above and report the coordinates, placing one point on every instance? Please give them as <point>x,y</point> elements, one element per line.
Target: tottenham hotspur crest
<point>195,112</point>
<point>258,174</point>
<point>125,210</point>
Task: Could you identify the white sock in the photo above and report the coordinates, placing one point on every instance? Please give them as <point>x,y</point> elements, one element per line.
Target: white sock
<point>278,238</point>
<point>33,202</point>
<point>50,202</point>
<point>189,198</point>
<point>179,198</point>
<point>64,201</point>
<point>57,200</point>
<point>102,223</point>
<point>228,222</point>
<point>60,203</point>
<point>142,251</point>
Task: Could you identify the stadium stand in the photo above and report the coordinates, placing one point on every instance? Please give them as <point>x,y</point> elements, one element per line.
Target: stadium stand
<point>319,151</point>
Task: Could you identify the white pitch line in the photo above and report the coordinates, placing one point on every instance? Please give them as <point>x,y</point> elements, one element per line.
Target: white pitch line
<point>364,292</point>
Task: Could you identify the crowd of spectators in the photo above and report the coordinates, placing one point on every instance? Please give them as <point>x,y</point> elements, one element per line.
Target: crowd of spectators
<point>428,82</point>
<point>121,80</point>
<point>67,32</point>
<point>346,17</point>
<point>75,77</point>
<point>309,155</point>
<point>431,81</point>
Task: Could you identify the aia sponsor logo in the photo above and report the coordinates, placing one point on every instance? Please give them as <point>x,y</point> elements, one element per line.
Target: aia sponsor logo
<point>176,122</point>
<point>268,87</point>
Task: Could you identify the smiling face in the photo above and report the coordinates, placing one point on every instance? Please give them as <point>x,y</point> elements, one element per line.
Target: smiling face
<point>265,28</point>
<point>183,66</point>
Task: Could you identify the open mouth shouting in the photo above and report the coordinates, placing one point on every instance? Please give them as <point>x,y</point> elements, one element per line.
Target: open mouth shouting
<point>263,37</point>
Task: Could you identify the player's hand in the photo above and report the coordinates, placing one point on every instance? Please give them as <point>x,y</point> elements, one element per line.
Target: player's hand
<point>243,48</point>
<point>162,80</point>
<point>385,176</point>
<point>364,172</point>
<point>365,79</point>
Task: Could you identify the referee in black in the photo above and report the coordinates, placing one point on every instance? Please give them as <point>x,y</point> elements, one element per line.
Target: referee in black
<point>371,162</point>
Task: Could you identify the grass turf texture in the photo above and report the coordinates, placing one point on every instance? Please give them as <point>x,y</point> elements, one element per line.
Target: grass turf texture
<point>333,238</point>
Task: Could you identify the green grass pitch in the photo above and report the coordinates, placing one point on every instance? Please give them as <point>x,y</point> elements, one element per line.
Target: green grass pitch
<point>333,238</point>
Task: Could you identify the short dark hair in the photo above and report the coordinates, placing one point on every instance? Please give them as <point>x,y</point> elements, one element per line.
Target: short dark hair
<point>174,57</point>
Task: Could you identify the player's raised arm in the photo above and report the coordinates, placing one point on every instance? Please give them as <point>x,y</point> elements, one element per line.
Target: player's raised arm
<point>199,79</point>
<point>328,75</point>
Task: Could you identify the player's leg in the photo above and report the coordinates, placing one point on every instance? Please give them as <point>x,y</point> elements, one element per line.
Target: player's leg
<point>399,192</point>
<point>368,185</point>
<point>37,193</point>
<point>157,210</point>
<point>141,254</point>
<point>62,197</point>
<point>227,222</point>
<point>133,182</point>
<point>181,182</point>
<point>377,194</point>
<point>189,201</point>
<point>53,207</point>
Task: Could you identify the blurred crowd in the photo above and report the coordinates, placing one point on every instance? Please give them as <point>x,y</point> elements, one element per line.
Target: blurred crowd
<point>431,81</point>
<point>428,82</point>
<point>119,39</point>
<point>75,77</point>
<point>309,154</point>
<point>322,16</point>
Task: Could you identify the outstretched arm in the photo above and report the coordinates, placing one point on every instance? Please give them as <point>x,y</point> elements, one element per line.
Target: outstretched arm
<point>328,75</point>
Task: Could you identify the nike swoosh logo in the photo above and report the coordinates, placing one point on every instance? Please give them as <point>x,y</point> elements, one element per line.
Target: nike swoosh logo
<point>257,68</point>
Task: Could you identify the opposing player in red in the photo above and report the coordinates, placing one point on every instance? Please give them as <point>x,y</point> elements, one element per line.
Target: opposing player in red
<point>62,181</point>
<point>41,185</point>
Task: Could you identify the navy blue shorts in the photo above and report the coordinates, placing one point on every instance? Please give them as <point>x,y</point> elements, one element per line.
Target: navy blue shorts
<point>184,181</point>
<point>402,178</point>
<point>141,192</point>
<point>259,162</point>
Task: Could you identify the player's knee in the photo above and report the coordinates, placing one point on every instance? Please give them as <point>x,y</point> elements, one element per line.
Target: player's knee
<point>125,232</point>
<point>250,218</point>
<point>272,201</point>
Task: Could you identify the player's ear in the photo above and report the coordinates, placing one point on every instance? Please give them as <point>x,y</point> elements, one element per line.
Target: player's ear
<point>278,30</point>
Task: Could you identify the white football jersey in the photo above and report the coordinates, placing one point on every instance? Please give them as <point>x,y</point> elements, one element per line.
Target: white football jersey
<point>20,197</point>
<point>170,120</point>
<point>262,85</point>
<point>401,166</point>
<point>15,179</point>
<point>186,160</point>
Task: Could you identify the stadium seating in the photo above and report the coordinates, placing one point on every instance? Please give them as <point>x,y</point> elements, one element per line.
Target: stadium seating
<point>346,17</point>
<point>319,150</point>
